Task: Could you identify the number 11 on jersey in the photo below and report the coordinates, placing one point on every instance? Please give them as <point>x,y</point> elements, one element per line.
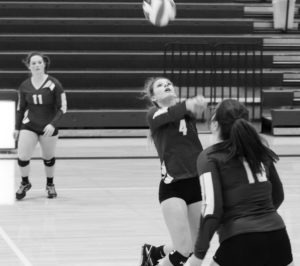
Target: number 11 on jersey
<point>37,99</point>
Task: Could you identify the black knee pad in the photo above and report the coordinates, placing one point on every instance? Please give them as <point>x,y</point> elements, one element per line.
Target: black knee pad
<point>23,163</point>
<point>49,162</point>
<point>177,259</point>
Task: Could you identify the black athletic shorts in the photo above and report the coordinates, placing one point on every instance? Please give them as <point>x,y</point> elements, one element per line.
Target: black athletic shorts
<point>187,189</point>
<point>38,132</point>
<point>256,249</point>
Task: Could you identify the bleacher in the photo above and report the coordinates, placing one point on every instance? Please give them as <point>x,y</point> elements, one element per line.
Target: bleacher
<point>102,51</point>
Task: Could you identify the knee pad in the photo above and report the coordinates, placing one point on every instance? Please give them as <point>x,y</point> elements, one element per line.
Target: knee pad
<point>49,162</point>
<point>23,163</point>
<point>177,259</point>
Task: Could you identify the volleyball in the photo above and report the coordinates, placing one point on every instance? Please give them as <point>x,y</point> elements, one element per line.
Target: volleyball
<point>159,12</point>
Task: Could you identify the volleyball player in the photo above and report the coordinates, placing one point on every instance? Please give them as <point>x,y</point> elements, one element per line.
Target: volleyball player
<point>41,104</point>
<point>174,133</point>
<point>241,194</point>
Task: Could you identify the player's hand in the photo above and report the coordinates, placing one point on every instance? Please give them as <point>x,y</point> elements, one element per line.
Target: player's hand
<point>197,105</point>
<point>16,134</point>
<point>48,130</point>
<point>193,261</point>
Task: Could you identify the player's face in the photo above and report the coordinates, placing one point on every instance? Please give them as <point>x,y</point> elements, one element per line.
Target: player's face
<point>164,92</point>
<point>37,65</point>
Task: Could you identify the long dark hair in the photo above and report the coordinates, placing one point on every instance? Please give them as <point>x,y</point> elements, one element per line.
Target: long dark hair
<point>239,136</point>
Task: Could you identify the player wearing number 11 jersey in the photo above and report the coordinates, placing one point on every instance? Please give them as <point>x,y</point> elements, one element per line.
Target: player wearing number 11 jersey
<point>41,104</point>
<point>173,130</point>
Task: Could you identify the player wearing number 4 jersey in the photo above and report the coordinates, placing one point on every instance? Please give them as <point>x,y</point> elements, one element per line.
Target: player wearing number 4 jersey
<point>41,104</point>
<point>174,133</point>
<point>241,194</point>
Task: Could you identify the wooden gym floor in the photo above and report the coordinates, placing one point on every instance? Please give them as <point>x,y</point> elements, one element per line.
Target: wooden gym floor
<point>107,204</point>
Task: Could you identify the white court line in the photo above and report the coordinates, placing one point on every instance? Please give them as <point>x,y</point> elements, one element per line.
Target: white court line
<point>14,248</point>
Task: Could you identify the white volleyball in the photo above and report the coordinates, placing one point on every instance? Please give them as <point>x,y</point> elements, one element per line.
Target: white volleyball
<point>159,12</point>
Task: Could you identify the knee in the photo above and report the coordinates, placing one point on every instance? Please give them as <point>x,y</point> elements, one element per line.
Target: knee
<point>49,162</point>
<point>23,163</point>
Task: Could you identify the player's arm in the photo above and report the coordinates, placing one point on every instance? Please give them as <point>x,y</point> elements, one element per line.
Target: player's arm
<point>277,188</point>
<point>60,102</point>
<point>212,204</point>
<point>158,117</point>
<point>21,107</point>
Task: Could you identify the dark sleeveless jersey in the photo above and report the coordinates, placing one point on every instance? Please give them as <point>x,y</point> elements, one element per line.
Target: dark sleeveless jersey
<point>176,140</point>
<point>234,200</point>
<point>40,107</point>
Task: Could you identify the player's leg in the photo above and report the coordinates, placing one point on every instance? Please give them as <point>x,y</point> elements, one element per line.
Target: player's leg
<point>175,214</point>
<point>150,254</point>
<point>180,192</point>
<point>194,215</point>
<point>26,144</point>
<point>194,201</point>
<point>194,210</point>
<point>48,146</point>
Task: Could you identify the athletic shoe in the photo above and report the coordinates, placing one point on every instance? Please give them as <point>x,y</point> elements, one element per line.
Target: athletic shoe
<point>21,193</point>
<point>146,259</point>
<point>51,191</point>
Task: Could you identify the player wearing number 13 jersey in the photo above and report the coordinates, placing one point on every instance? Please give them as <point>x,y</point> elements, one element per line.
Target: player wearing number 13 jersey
<point>241,194</point>
<point>42,102</point>
<point>173,130</point>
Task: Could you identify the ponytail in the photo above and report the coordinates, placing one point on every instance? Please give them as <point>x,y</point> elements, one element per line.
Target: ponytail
<point>246,143</point>
<point>240,138</point>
